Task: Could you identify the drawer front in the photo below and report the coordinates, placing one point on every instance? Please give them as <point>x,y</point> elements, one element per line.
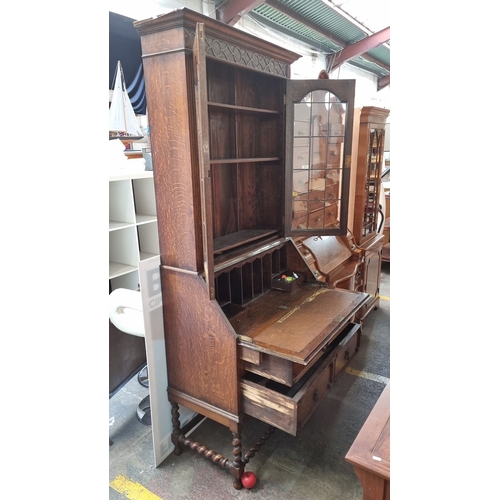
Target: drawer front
<point>347,348</point>
<point>331,215</point>
<point>299,209</point>
<point>273,368</point>
<point>299,222</point>
<point>317,219</point>
<point>289,408</point>
<point>313,393</point>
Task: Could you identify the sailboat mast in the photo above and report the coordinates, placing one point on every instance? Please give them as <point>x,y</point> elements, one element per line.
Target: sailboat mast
<point>124,90</point>
<point>122,119</point>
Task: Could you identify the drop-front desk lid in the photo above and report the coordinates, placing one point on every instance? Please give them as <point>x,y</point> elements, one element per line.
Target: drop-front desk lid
<point>328,251</point>
<point>297,326</point>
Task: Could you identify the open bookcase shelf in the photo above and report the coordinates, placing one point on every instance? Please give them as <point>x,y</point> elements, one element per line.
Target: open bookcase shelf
<point>133,229</point>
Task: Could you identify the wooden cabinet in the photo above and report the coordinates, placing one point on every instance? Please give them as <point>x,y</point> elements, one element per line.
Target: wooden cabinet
<point>245,161</point>
<point>368,152</point>
<point>370,454</point>
<point>370,271</point>
<point>368,159</point>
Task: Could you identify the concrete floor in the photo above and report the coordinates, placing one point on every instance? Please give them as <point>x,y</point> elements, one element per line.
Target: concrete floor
<point>311,465</point>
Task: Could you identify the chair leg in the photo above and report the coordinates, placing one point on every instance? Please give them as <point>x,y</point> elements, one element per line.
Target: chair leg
<point>143,378</point>
<point>144,411</point>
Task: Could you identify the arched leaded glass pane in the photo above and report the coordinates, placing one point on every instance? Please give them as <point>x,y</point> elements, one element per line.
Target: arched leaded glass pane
<point>318,160</point>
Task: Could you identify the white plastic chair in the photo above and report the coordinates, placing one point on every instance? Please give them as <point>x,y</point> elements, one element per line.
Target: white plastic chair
<point>125,312</point>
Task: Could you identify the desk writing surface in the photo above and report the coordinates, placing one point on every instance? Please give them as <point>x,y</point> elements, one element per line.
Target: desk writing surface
<point>298,330</point>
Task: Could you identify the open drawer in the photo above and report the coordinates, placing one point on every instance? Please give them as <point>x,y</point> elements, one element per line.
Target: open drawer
<point>289,408</point>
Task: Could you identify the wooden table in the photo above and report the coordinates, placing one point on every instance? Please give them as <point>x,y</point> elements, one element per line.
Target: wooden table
<point>370,452</point>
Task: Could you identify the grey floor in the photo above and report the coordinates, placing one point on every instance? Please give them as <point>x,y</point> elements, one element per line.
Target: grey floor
<point>308,466</point>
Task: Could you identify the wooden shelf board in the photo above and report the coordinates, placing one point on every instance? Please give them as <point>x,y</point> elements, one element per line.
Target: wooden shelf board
<point>243,108</point>
<point>234,240</point>
<point>244,160</point>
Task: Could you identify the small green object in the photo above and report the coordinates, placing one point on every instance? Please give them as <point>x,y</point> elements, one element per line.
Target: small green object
<point>289,278</point>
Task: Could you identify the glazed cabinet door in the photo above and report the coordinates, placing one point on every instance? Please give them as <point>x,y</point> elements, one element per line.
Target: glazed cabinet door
<point>319,124</point>
<point>372,182</point>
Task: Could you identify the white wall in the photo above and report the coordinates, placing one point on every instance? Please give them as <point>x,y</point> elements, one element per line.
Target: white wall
<point>366,86</point>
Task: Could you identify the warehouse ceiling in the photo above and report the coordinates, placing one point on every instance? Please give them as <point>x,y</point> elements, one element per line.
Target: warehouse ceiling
<point>354,31</point>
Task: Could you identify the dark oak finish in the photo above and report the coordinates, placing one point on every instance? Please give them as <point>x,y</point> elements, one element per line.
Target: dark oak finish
<point>370,451</point>
<point>240,339</point>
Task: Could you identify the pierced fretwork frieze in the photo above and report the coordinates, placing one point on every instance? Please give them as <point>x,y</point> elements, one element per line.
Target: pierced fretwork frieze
<point>237,55</point>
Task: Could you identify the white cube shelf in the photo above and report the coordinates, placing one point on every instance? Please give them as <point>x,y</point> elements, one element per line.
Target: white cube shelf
<point>133,228</point>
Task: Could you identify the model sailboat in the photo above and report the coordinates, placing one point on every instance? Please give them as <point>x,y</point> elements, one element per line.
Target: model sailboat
<point>123,123</point>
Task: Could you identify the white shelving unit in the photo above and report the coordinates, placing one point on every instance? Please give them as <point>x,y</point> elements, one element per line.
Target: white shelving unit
<point>133,228</point>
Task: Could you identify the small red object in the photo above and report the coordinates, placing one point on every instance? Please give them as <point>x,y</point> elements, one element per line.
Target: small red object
<point>248,480</point>
<point>283,276</point>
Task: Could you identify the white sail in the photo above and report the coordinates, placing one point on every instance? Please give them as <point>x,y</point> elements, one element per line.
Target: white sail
<point>122,118</point>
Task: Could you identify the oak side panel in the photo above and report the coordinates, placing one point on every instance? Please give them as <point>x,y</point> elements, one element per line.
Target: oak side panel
<point>202,356</point>
<point>169,83</point>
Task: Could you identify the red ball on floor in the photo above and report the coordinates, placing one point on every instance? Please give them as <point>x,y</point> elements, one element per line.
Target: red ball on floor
<point>248,480</point>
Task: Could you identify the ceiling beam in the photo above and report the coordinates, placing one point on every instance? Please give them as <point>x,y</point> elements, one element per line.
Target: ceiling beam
<point>322,31</point>
<point>348,17</point>
<point>306,22</point>
<point>383,82</point>
<point>361,47</point>
<point>371,59</point>
<point>233,10</point>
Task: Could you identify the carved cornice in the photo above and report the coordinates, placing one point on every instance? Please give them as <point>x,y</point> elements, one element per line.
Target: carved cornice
<point>223,42</point>
<point>231,53</point>
<point>374,114</point>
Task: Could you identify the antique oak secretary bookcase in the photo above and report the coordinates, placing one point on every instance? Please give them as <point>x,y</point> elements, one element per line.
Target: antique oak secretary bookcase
<point>368,154</point>
<point>245,159</point>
